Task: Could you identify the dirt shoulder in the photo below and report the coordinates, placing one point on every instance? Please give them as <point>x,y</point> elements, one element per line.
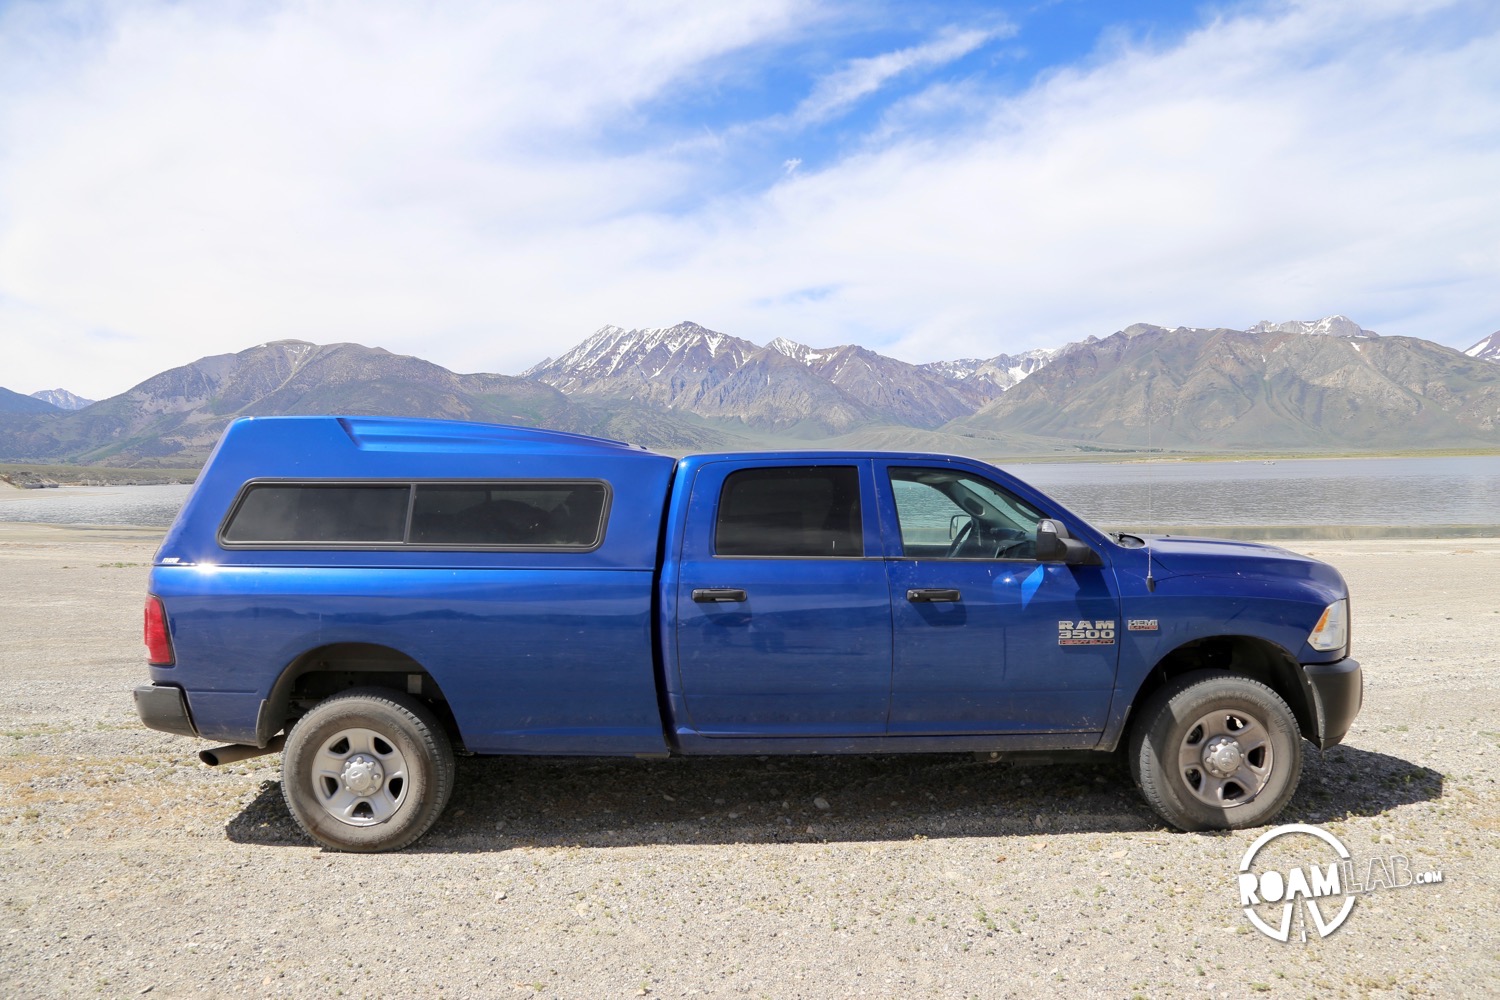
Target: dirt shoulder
<point>128,868</point>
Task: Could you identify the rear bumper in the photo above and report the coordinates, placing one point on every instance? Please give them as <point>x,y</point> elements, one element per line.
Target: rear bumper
<point>1338,691</point>
<point>164,707</point>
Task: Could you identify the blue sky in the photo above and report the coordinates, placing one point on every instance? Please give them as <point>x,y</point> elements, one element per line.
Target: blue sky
<point>485,184</point>
<point>844,74</point>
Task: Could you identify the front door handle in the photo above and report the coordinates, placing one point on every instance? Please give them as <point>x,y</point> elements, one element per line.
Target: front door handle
<point>719,595</point>
<point>932,596</point>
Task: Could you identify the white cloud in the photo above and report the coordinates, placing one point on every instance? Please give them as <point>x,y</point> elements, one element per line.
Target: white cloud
<point>1313,160</point>
<point>180,180</point>
<point>204,177</point>
<point>862,77</point>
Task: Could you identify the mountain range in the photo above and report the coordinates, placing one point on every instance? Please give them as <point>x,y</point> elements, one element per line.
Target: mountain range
<point>1267,387</point>
<point>784,388</point>
<point>1324,385</point>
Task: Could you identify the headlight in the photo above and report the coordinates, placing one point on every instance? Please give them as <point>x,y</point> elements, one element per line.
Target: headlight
<point>1332,630</point>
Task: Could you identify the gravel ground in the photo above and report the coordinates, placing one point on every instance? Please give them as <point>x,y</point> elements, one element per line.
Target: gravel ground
<point>127,868</point>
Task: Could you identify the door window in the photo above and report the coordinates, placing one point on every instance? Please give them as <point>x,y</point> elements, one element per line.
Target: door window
<point>947,514</point>
<point>807,511</point>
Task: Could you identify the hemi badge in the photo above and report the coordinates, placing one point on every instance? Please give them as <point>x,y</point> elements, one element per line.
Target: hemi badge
<point>1141,625</point>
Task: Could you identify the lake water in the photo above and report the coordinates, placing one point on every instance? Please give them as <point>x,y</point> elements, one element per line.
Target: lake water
<point>1404,493</point>
<point>149,506</point>
<point>1416,492</point>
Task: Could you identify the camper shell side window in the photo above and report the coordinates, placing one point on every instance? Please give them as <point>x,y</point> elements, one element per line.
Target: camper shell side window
<point>506,515</point>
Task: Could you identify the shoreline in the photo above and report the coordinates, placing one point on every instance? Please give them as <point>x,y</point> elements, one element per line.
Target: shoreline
<point>1237,532</point>
<point>60,474</point>
<point>39,483</point>
<point>42,533</point>
<point>1144,457</point>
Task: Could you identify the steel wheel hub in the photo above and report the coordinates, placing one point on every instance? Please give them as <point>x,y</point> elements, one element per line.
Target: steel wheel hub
<point>1221,757</point>
<point>362,775</point>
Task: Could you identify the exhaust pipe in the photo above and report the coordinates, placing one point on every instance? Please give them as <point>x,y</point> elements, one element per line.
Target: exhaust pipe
<point>239,751</point>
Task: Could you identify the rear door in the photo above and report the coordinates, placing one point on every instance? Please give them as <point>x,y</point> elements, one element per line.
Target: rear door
<point>985,637</point>
<point>783,621</point>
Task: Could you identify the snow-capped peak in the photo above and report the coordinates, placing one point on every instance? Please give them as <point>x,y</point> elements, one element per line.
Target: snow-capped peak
<point>289,346</point>
<point>1328,326</point>
<point>1003,370</point>
<point>792,349</point>
<point>612,349</point>
<point>62,399</point>
<point>1487,349</point>
<point>801,352</point>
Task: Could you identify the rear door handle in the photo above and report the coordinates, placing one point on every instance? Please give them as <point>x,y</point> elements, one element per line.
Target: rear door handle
<point>718,595</point>
<point>932,596</point>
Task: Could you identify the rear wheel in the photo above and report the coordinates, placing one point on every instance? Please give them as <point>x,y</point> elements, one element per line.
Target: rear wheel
<point>367,770</point>
<point>1215,752</point>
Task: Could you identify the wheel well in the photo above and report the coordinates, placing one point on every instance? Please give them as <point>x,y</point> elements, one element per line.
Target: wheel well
<point>1246,656</point>
<point>327,670</point>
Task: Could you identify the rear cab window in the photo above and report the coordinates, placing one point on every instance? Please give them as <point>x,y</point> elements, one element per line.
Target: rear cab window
<point>797,511</point>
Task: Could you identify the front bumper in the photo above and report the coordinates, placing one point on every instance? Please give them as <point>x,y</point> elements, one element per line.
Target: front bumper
<point>164,707</point>
<point>1338,691</point>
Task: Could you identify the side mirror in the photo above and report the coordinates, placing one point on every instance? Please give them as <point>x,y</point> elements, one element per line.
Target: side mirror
<point>1054,544</point>
<point>1049,544</point>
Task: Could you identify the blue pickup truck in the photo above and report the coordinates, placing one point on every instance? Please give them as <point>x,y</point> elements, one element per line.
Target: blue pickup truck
<point>367,594</point>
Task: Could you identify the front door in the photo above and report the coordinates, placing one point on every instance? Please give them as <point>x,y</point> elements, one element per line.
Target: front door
<point>783,621</point>
<point>983,633</point>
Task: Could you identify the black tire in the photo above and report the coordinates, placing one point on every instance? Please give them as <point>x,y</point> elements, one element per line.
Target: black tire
<point>1211,751</point>
<point>367,770</point>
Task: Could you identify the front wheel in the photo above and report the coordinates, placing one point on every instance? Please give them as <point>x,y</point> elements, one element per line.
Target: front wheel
<point>1215,752</point>
<point>367,770</point>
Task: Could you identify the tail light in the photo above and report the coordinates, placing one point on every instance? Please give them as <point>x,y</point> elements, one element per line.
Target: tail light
<point>158,641</point>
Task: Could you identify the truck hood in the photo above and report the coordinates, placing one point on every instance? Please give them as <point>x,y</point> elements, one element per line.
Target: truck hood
<point>1182,556</point>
